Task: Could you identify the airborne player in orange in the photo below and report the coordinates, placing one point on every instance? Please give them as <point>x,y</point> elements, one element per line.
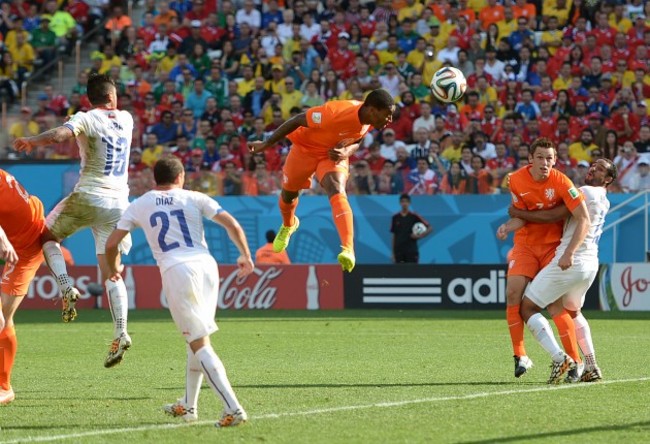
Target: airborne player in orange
<point>22,221</point>
<point>324,137</point>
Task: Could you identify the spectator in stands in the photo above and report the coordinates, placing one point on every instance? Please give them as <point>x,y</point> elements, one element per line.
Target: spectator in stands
<point>388,149</point>
<point>582,149</point>
<point>23,56</point>
<point>205,181</point>
<point>188,124</point>
<point>24,127</point>
<point>479,181</point>
<point>422,180</point>
<point>183,151</point>
<point>116,24</point>
<point>627,163</point>
<point>166,130</point>
<point>232,179</point>
<point>135,161</point>
<point>44,42</point>
<point>196,99</point>
<point>152,150</point>
<point>640,179</point>
<point>63,25</point>
<point>189,43</point>
<point>642,145</point>
<point>8,87</point>
<point>265,254</point>
<point>388,181</point>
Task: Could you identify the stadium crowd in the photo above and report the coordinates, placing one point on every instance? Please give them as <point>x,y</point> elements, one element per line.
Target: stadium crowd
<point>201,80</point>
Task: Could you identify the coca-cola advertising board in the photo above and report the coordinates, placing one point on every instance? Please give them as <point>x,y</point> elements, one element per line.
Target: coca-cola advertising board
<point>284,287</point>
<point>625,286</point>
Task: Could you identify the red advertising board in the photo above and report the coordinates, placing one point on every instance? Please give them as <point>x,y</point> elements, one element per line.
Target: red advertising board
<point>288,287</point>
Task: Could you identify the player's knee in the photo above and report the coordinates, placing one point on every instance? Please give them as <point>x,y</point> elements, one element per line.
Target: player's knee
<point>527,309</point>
<point>514,296</point>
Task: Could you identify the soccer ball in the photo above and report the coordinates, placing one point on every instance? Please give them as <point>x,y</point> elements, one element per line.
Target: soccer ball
<point>418,228</point>
<point>448,84</point>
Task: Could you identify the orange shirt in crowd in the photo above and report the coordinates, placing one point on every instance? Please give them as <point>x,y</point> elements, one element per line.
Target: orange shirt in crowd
<point>266,255</point>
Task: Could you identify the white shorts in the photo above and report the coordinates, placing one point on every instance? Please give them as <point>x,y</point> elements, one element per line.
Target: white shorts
<point>552,283</point>
<point>80,210</point>
<point>192,291</point>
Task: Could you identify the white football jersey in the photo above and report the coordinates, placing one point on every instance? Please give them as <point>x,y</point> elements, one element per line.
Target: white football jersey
<point>104,140</point>
<point>586,256</point>
<point>172,221</point>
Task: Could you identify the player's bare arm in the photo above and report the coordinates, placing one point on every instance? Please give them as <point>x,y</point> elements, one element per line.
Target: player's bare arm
<point>55,135</point>
<point>581,216</point>
<point>7,252</point>
<point>237,236</point>
<point>113,254</point>
<point>343,150</point>
<point>510,226</point>
<point>541,216</point>
<point>279,134</point>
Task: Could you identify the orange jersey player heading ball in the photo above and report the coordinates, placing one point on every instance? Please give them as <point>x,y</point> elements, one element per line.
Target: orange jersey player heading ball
<point>324,137</point>
<point>537,186</point>
<point>22,221</point>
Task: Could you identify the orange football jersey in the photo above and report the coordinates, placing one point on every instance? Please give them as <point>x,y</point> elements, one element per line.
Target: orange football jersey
<point>328,125</point>
<point>21,215</point>
<point>527,194</point>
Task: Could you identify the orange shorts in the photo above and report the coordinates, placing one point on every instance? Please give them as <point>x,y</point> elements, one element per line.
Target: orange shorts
<point>16,278</point>
<point>301,165</point>
<point>528,260</point>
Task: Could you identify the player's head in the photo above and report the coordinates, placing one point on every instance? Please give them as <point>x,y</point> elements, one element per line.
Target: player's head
<point>102,90</point>
<point>405,201</point>
<point>377,109</point>
<point>169,171</point>
<point>542,156</point>
<point>270,236</point>
<point>602,173</point>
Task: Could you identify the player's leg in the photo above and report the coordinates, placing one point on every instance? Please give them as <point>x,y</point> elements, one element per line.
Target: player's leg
<point>297,172</point>
<point>193,304</point>
<point>187,406</point>
<point>573,303</point>
<point>68,216</point>
<point>15,283</point>
<point>545,290</point>
<point>333,177</point>
<point>515,285</point>
<point>117,295</point>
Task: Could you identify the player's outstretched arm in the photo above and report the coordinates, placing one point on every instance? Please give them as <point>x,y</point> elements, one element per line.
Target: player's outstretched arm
<point>581,216</point>
<point>560,212</point>
<point>113,254</point>
<point>55,135</point>
<point>238,237</point>
<point>511,225</point>
<point>279,134</point>
<point>7,252</point>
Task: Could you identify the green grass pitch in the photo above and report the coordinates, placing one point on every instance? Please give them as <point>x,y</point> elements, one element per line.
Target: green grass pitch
<point>326,377</point>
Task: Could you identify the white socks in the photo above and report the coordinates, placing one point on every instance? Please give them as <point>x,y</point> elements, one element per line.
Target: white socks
<point>54,259</point>
<point>119,305</point>
<point>541,330</point>
<point>215,375</point>
<point>193,380</point>
<point>583,335</point>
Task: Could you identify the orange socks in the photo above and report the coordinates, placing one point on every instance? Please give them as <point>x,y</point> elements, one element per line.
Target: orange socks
<point>516,327</point>
<point>567,331</point>
<point>342,215</point>
<point>8,346</point>
<point>288,211</point>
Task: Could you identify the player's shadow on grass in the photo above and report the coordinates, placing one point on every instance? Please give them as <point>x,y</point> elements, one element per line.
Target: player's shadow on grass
<point>561,433</point>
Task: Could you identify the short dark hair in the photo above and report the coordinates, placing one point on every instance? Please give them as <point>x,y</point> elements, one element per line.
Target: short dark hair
<point>404,197</point>
<point>167,170</point>
<point>541,142</point>
<point>99,87</point>
<point>379,99</point>
<point>270,236</point>
<point>612,171</point>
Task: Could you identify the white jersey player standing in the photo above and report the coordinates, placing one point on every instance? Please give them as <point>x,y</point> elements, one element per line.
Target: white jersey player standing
<point>172,220</point>
<point>101,195</point>
<point>558,289</point>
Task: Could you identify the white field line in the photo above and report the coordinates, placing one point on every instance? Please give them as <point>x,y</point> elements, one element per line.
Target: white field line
<point>325,410</point>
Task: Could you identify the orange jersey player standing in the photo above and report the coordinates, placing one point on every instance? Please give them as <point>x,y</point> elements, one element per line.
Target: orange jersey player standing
<point>537,186</point>
<point>324,137</point>
<point>21,223</point>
